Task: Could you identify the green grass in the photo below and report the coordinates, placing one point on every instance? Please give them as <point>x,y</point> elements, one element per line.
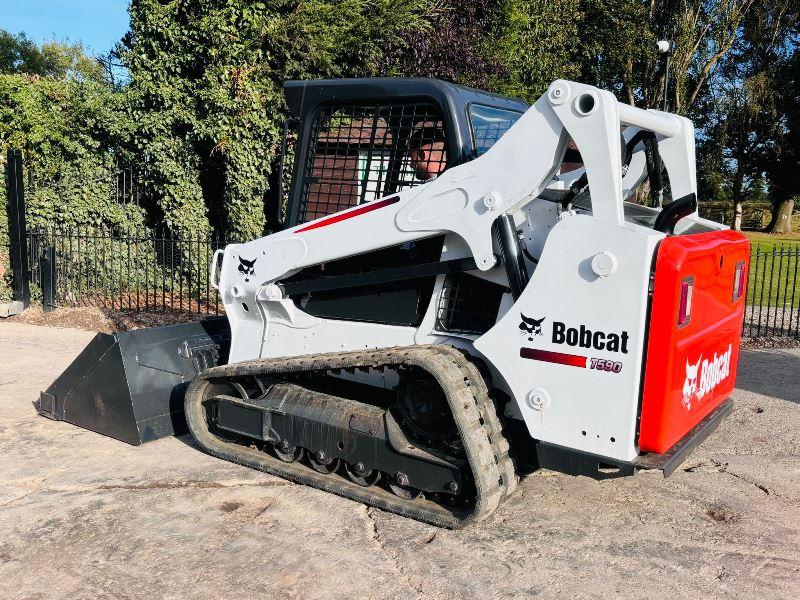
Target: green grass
<point>766,241</point>
<point>774,280</point>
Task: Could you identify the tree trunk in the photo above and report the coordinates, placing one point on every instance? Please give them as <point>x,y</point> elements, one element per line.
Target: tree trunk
<point>642,194</point>
<point>737,215</point>
<point>738,201</point>
<point>781,221</point>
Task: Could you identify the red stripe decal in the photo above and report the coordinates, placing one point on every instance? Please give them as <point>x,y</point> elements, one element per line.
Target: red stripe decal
<point>572,360</point>
<point>365,208</point>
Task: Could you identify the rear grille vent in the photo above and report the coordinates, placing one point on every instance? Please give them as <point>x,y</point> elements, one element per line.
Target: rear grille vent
<point>468,304</point>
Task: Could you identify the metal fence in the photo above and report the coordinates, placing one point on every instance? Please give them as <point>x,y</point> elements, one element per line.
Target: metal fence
<point>145,271</point>
<point>141,271</point>
<point>773,293</point>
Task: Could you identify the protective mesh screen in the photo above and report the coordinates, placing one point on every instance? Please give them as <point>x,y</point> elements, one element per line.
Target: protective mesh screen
<point>362,152</point>
<point>468,304</point>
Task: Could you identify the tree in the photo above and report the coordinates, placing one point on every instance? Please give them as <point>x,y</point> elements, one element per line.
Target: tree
<point>68,132</point>
<point>534,41</point>
<point>745,130</point>
<point>706,32</point>
<point>452,47</point>
<point>784,171</point>
<point>70,61</point>
<point>18,54</point>
<point>59,60</point>
<point>743,120</point>
<point>511,47</point>
<point>617,50</point>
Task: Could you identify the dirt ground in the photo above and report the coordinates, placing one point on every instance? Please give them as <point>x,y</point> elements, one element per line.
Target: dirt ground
<point>95,318</point>
<point>83,516</point>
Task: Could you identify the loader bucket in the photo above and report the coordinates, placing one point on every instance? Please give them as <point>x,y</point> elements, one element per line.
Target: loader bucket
<point>130,385</point>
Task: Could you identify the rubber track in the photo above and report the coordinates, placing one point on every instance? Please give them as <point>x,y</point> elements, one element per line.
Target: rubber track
<point>465,390</point>
<point>492,422</point>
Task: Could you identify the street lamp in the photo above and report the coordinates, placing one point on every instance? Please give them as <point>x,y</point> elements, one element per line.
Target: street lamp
<point>666,48</point>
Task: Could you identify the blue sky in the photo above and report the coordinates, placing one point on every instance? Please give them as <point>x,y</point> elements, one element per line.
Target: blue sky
<point>99,24</point>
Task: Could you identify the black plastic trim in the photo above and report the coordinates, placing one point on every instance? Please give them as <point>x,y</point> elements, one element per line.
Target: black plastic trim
<point>672,458</point>
<point>338,282</point>
<point>674,212</point>
<point>511,254</point>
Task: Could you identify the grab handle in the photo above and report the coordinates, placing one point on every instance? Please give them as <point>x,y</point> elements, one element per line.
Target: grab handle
<point>674,212</point>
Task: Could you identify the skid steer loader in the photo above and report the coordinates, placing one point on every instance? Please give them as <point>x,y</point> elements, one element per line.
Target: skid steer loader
<point>446,299</point>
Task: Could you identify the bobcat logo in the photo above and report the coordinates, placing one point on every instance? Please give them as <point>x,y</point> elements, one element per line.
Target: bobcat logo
<point>690,384</point>
<point>247,268</point>
<point>712,372</point>
<point>530,327</point>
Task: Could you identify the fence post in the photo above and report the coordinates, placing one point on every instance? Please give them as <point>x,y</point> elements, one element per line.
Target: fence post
<point>17,231</point>
<point>47,265</point>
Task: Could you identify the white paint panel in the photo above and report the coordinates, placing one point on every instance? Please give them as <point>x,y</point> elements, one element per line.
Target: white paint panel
<point>564,288</point>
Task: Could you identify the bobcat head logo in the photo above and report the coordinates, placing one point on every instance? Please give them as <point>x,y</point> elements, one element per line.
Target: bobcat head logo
<point>530,327</point>
<point>247,268</point>
<point>690,384</point>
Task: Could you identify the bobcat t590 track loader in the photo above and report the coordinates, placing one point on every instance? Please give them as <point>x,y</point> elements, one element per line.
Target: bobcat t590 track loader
<point>442,290</point>
<point>457,287</point>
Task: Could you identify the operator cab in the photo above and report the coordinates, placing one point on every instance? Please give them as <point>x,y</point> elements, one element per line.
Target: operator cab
<point>356,140</point>
<point>352,141</point>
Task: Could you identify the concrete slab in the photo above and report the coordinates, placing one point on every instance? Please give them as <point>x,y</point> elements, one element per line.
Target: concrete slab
<point>10,309</point>
<point>83,516</point>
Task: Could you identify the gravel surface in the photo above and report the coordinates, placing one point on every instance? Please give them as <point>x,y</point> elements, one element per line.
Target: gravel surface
<point>83,516</point>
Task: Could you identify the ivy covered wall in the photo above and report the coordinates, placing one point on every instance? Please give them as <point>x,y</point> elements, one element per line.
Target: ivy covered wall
<point>70,133</point>
<point>206,93</point>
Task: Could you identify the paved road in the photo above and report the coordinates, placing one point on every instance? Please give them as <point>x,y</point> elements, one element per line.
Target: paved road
<point>83,516</point>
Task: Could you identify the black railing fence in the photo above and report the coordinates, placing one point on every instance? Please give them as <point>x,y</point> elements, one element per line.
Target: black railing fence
<point>773,293</point>
<point>159,271</point>
<point>140,270</point>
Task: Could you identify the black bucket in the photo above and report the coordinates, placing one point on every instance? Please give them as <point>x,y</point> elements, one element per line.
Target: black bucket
<point>130,385</point>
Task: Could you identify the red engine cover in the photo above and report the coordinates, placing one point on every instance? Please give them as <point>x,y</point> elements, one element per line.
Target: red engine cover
<point>691,368</point>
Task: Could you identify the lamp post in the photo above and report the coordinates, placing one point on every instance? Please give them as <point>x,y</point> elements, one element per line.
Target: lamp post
<point>666,48</point>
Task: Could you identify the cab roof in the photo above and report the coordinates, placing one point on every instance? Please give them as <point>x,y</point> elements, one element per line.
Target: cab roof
<point>302,97</point>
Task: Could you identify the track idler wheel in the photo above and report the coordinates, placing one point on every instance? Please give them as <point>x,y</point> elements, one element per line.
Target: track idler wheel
<point>322,463</point>
<point>359,474</point>
<point>400,487</point>
<point>287,453</point>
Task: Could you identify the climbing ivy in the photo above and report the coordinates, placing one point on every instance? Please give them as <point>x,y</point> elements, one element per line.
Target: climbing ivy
<point>206,92</point>
<point>70,133</point>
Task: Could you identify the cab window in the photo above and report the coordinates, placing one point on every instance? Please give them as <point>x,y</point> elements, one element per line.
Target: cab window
<point>489,124</point>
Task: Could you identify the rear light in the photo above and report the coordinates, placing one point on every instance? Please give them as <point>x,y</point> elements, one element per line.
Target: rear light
<point>685,304</point>
<point>738,281</point>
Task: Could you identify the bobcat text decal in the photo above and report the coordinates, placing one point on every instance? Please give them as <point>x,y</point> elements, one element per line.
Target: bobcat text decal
<point>586,338</point>
<point>574,336</point>
<point>712,373</point>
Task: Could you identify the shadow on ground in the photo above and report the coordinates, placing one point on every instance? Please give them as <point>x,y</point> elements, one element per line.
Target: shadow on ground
<point>771,372</point>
